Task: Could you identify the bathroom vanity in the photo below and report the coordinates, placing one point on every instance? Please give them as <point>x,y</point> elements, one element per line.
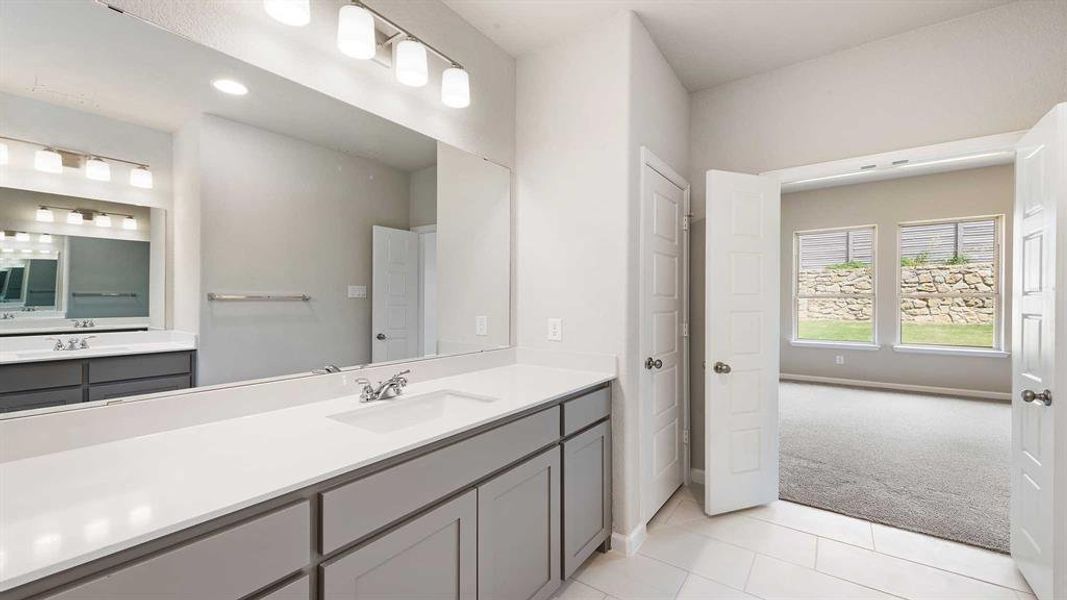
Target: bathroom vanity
<point>488,484</point>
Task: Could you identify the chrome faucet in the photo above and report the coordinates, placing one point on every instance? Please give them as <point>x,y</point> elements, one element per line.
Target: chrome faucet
<point>58,347</point>
<point>84,343</point>
<point>391,388</point>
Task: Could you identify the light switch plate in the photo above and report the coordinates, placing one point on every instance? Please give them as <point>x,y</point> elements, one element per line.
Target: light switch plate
<point>555,330</point>
<point>357,291</point>
<point>839,359</point>
<point>481,325</point>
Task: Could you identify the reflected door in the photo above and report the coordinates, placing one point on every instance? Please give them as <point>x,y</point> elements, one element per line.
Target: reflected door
<point>741,376</point>
<point>394,294</point>
<point>1040,192</point>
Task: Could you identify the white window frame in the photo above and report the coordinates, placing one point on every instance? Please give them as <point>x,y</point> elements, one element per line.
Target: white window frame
<point>794,338</point>
<point>998,314</point>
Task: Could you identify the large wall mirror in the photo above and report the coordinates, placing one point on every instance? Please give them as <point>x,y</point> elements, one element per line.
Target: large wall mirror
<point>186,190</point>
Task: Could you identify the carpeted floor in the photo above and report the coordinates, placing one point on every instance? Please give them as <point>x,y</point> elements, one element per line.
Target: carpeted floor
<point>933,464</point>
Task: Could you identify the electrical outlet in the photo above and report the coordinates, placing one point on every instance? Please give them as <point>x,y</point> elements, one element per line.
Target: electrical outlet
<point>555,330</point>
<point>481,325</point>
<point>839,359</point>
<point>357,291</point>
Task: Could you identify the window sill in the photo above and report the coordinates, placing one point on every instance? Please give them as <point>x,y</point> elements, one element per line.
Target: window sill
<point>951,351</point>
<point>867,346</point>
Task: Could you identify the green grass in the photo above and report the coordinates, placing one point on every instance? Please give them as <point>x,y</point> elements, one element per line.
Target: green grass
<point>913,333</point>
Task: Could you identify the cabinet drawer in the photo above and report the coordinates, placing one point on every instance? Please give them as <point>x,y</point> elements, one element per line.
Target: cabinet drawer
<point>138,386</point>
<point>40,399</point>
<point>586,495</point>
<point>297,590</point>
<point>353,510</point>
<point>223,566</point>
<point>39,376</point>
<point>138,366</point>
<point>585,410</point>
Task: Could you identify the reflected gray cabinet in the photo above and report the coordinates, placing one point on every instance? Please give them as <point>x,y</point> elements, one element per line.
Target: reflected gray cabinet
<point>586,494</point>
<point>518,531</point>
<point>431,556</point>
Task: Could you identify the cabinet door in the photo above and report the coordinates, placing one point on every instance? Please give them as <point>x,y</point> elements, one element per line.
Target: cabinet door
<point>431,557</point>
<point>586,495</point>
<point>518,531</point>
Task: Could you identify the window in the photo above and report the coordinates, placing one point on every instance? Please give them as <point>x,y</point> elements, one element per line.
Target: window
<point>950,283</point>
<point>833,287</point>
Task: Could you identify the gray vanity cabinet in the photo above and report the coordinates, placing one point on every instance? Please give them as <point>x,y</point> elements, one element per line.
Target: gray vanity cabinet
<point>434,555</point>
<point>586,494</point>
<point>518,531</point>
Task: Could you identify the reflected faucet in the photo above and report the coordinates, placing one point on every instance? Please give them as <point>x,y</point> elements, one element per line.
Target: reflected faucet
<point>327,368</point>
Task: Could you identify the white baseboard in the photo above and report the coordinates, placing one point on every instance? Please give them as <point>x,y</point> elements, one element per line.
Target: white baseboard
<point>696,476</point>
<point>628,544</point>
<point>904,387</point>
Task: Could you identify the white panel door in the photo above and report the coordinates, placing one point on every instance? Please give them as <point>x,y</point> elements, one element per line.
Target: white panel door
<point>663,213</point>
<point>1040,199</point>
<point>741,347</point>
<point>394,294</point>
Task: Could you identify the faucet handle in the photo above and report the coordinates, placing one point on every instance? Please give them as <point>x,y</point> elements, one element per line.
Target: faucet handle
<point>58,343</point>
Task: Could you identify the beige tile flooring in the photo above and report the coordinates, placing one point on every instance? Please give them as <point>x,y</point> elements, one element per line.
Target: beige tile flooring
<point>786,550</point>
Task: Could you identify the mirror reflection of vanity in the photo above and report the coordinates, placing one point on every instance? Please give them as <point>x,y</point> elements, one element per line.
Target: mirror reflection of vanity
<point>165,232</point>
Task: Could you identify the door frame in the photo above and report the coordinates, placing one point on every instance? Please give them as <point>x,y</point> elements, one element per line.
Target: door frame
<point>650,160</point>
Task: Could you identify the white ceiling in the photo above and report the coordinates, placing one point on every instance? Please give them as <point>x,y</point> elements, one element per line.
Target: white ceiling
<point>709,42</point>
<point>85,56</point>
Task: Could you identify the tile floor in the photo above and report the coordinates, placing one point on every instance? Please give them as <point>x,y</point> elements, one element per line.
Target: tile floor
<point>787,550</point>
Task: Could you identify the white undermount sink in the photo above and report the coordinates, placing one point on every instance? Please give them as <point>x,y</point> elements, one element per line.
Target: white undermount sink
<point>64,353</point>
<point>403,411</point>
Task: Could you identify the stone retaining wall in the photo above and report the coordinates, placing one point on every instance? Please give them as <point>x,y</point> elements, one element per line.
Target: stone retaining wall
<point>973,278</point>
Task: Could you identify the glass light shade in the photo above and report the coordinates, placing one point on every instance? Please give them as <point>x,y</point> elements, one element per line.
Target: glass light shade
<point>7,250</point>
<point>355,32</point>
<point>231,87</point>
<point>3,154</point>
<point>129,223</point>
<point>102,220</point>
<point>75,218</point>
<point>411,66</point>
<point>455,88</point>
<point>44,238</point>
<point>27,250</point>
<point>97,170</point>
<point>45,215</point>
<point>22,236</point>
<point>295,13</point>
<point>48,161</point>
<point>45,251</point>
<point>141,177</point>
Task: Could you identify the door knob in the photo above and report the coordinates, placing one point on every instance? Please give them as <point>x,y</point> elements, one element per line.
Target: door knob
<point>721,368</point>
<point>653,363</point>
<point>380,337</point>
<point>1044,397</point>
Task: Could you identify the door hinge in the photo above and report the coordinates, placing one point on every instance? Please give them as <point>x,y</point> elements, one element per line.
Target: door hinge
<point>685,436</point>
<point>685,330</point>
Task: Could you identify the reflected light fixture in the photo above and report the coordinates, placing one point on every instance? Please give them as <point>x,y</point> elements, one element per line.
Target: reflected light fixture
<point>97,170</point>
<point>295,13</point>
<point>27,250</point>
<point>22,236</point>
<point>141,177</point>
<point>3,154</point>
<point>129,223</point>
<point>231,87</point>
<point>410,58</point>
<point>102,220</point>
<point>455,87</point>
<point>75,218</point>
<point>45,215</point>
<point>48,160</point>
<point>7,250</point>
<point>44,238</point>
<point>356,33</point>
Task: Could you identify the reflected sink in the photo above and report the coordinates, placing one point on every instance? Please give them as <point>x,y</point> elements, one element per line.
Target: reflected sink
<point>58,354</point>
<point>403,412</point>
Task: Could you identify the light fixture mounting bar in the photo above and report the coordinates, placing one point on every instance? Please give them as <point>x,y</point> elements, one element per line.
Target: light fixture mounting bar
<point>77,152</point>
<point>405,33</point>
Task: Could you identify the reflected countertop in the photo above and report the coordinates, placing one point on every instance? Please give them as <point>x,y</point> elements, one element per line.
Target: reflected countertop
<point>64,509</point>
<point>39,348</point>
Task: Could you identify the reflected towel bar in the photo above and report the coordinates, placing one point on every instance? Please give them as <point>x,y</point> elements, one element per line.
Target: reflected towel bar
<point>103,294</point>
<point>216,297</point>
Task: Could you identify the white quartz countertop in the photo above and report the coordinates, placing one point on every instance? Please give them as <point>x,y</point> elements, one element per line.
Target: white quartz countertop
<point>64,509</point>
<point>14,350</point>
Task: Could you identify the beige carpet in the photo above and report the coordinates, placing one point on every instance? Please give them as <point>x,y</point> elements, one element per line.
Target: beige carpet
<point>934,464</point>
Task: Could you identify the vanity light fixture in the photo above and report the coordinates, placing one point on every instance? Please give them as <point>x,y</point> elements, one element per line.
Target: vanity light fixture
<point>455,87</point>
<point>141,177</point>
<point>411,66</point>
<point>97,170</point>
<point>231,87</point>
<point>22,236</point>
<point>27,250</point>
<point>102,220</point>
<point>75,218</point>
<point>45,215</point>
<point>48,160</point>
<point>295,13</point>
<point>7,250</point>
<point>129,224</point>
<point>356,34</point>
<point>44,238</point>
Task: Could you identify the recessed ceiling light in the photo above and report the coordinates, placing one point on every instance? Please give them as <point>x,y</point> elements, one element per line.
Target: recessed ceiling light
<point>229,86</point>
